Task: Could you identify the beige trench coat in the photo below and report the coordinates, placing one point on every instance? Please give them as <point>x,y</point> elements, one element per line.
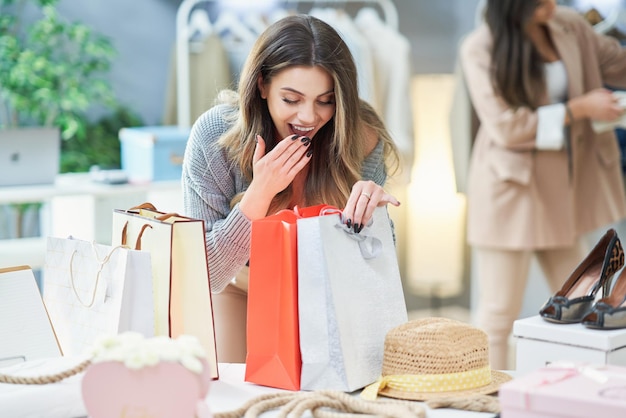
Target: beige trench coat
<point>524,198</point>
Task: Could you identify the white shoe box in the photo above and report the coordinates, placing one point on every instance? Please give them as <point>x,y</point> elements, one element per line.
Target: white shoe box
<point>539,343</point>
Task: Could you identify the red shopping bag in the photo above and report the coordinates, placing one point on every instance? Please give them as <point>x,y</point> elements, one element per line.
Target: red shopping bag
<point>273,341</point>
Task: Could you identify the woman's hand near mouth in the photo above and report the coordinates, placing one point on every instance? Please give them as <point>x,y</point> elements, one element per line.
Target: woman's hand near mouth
<point>273,172</point>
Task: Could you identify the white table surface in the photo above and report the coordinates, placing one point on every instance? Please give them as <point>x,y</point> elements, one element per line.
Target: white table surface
<point>64,400</point>
<point>72,184</point>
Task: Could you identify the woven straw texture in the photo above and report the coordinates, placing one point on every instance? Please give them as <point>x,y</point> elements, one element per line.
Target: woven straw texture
<point>433,346</point>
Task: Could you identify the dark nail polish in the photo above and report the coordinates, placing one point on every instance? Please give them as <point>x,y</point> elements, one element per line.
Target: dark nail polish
<point>349,223</point>
<point>305,139</point>
<point>309,153</point>
<point>293,138</point>
<point>360,228</point>
<point>356,228</point>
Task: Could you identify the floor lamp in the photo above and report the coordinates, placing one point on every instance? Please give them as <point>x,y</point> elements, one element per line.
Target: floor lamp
<point>436,222</point>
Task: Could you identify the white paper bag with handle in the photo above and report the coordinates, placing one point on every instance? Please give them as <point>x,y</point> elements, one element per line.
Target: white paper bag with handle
<point>93,289</point>
<point>349,296</point>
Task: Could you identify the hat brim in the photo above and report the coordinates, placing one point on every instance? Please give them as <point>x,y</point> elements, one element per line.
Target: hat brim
<point>497,379</point>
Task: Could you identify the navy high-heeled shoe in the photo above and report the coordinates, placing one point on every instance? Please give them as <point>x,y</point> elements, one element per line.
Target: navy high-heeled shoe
<point>577,296</point>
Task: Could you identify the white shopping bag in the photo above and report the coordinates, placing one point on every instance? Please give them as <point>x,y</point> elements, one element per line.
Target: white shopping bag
<point>25,328</point>
<point>349,296</point>
<point>93,289</point>
<point>180,272</point>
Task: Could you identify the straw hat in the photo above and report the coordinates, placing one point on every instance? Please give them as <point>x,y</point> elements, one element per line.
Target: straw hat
<point>435,357</point>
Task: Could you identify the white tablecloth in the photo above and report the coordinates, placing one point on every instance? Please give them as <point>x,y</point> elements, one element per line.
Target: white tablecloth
<point>64,400</point>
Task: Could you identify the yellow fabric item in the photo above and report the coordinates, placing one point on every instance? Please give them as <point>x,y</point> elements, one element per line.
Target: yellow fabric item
<point>450,382</point>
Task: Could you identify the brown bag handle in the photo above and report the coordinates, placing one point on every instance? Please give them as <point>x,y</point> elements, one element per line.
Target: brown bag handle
<point>138,242</point>
<point>145,205</point>
<point>166,216</point>
<point>150,206</point>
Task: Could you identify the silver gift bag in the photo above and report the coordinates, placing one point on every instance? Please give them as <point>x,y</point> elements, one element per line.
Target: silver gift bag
<point>349,296</point>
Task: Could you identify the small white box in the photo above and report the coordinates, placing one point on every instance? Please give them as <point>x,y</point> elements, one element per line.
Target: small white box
<point>539,343</point>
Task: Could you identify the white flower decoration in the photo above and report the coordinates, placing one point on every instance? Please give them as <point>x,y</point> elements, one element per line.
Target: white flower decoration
<point>136,352</point>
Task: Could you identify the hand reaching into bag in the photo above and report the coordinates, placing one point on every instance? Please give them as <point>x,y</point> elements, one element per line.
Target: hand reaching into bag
<point>364,198</point>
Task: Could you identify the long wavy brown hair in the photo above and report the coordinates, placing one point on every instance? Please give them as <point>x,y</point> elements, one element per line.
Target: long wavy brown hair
<point>338,148</point>
<point>516,66</point>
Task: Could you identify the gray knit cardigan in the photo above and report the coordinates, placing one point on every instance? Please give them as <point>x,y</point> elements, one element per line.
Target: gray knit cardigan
<point>209,182</point>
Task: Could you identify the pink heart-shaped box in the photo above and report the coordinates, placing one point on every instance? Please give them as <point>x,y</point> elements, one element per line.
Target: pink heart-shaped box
<point>166,390</point>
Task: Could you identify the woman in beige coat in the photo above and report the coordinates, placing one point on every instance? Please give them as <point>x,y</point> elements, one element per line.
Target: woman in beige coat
<point>539,177</point>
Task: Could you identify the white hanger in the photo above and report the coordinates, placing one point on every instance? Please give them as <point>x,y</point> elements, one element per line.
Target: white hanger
<point>199,24</point>
<point>229,22</point>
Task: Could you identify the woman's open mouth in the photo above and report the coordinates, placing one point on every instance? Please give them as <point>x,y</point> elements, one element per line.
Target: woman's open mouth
<point>301,130</point>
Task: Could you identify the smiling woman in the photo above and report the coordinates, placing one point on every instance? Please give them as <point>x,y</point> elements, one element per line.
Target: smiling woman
<point>304,111</point>
<point>295,133</point>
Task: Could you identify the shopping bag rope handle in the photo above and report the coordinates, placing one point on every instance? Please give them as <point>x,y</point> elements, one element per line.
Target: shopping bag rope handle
<point>102,263</point>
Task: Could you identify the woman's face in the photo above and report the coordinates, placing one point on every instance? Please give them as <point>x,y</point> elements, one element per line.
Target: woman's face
<point>300,100</point>
<point>543,11</point>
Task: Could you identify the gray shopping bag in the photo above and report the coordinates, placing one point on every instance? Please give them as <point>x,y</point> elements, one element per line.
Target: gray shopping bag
<point>349,296</point>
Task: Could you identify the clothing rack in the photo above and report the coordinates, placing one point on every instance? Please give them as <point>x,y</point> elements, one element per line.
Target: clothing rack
<point>182,43</point>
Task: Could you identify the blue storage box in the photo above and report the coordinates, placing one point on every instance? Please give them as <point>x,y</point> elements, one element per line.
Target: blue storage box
<point>153,153</point>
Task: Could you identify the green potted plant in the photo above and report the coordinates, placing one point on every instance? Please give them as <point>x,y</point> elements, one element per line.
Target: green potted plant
<point>52,72</point>
<point>99,145</point>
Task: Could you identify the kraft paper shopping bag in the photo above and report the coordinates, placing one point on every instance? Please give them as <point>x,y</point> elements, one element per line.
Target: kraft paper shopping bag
<point>180,274</point>
<point>94,289</point>
<point>273,353</point>
<point>350,296</point>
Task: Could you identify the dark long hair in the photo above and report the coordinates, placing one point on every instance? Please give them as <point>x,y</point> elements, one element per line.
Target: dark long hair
<point>303,40</point>
<point>517,68</point>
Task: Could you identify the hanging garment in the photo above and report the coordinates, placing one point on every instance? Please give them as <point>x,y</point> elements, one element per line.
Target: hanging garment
<point>237,38</point>
<point>392,78</point>
<point>209,72</point>
<point>359,47</point>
